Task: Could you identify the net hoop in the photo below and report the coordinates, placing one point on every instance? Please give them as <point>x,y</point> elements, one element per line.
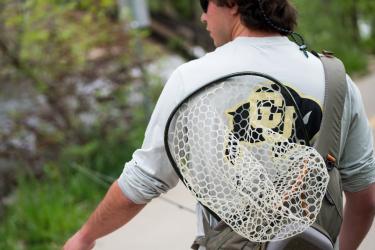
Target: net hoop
<point>264,189</point>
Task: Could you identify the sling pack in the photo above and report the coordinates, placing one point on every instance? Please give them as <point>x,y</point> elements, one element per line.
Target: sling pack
<point>329,211</point>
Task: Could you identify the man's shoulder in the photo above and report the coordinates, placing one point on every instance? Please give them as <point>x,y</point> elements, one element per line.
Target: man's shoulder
<point>191,75</point>
<point>219,53</point>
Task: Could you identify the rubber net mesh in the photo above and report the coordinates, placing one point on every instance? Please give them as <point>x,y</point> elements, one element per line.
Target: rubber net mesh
<point>234,146</point>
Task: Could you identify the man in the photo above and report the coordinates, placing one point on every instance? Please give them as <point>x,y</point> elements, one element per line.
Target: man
<point>249,36</point>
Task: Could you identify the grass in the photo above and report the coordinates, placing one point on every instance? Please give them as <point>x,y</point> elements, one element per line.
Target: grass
<point>45,213</point>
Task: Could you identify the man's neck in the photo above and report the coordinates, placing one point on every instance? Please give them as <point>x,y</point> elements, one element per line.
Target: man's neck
<point>240,30</point>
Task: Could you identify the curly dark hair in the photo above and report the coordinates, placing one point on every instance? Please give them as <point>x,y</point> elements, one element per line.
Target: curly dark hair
<point>273,16</point>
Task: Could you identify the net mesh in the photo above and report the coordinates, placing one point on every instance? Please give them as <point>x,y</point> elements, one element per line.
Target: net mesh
<point>235,145</point>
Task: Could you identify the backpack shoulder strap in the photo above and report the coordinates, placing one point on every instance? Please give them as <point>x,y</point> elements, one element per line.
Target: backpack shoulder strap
<point>328,142</point>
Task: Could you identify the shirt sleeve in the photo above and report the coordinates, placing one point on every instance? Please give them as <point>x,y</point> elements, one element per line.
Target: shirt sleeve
<point>150,173</point>
<point>357,164</point>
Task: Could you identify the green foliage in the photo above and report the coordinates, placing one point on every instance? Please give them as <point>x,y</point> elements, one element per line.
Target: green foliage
<point>44,214</point>
<point>54,45</point>
<point>333,25</point>
<point>105,150</point>
<point>51,39</point>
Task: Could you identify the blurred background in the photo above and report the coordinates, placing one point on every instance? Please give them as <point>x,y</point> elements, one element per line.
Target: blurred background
<point>78,81</point>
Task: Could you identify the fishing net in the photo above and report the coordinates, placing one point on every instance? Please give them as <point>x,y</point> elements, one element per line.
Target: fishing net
<point>236,147</point>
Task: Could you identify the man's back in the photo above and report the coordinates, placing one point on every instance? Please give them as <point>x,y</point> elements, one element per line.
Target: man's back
<point>275,56</point>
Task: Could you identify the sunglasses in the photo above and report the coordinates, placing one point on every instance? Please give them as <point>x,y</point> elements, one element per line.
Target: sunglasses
<point>204,5</point>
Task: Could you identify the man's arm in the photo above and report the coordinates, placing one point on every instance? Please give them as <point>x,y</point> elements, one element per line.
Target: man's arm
<point>358,217</point>
<point>113,211</point>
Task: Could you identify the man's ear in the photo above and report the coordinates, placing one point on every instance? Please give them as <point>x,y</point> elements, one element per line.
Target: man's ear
<point>234,9</point>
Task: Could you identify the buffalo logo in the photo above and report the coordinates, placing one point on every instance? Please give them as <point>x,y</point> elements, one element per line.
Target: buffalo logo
<point>267,108</point>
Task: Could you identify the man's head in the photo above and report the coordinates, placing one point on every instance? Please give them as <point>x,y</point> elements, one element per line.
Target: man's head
<point>224,18</point>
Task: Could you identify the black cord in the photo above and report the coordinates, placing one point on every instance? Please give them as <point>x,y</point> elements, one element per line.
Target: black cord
<point>302,45</point>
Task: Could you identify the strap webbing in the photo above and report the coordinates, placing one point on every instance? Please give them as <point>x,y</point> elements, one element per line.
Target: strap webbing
<point>328,141</point>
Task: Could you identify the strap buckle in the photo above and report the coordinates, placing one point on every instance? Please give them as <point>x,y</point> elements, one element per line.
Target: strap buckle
<point>328,54</point>
<point>330,162</point>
